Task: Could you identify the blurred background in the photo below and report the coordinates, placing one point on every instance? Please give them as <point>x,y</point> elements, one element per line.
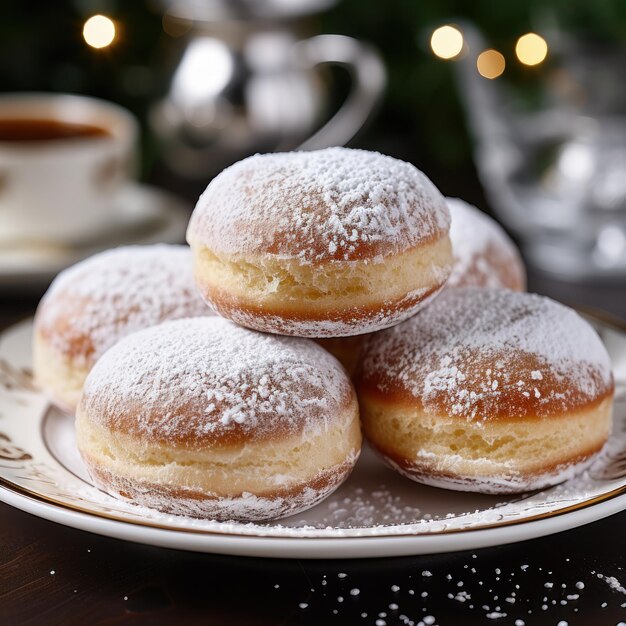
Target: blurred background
<point>517,107</point>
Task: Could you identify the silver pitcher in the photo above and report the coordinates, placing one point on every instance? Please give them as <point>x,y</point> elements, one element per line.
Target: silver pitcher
<point>246,82</point>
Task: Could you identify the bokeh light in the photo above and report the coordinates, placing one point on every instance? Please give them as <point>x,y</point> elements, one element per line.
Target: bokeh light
<point>490,63</point>
<point>446,42</point>
<point>99,31</point>
<point>205,69</point>
<point>531,49</point>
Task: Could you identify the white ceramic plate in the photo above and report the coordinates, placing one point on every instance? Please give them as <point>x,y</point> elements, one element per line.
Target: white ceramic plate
<point>375,513</point>
<point>141,215</point>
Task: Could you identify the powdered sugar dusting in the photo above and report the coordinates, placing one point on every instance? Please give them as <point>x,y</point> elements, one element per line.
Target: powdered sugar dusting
<point>247,507</point>
<point>481,353</point>
<point>484,255</point>
<point>345,325</point>
<point>503,481</point>
<point>92,305</point>
<point>332,204</point>
<point>205,378</point>
<point>435,510</point>
<point>612,582</point>
<point>362,506</point>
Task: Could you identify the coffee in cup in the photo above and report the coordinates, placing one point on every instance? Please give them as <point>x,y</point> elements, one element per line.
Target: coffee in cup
<point>63,159</point>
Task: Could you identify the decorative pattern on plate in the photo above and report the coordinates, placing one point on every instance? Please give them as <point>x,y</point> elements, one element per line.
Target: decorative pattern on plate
<point>38,459</point>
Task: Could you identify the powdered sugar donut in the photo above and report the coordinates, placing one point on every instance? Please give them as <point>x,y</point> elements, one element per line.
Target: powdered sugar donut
<point>487,390</point>
<point>328,243</point>
<point>204,418</point>
<point>92,305</point>
<point>484,255</point>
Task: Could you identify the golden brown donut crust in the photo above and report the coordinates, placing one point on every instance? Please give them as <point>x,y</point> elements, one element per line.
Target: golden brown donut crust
<point>336,204</point>
<point>484,255</point>
<point>347,350</point>
<point>174,500</point>
<point>128,418</point>
<point>488,355</point>
<point>100,300</point>
<point>162,386</point>
<point>507,272</point>
<point>550,396</point>
<point>247,314</point>
<point>421,471</point>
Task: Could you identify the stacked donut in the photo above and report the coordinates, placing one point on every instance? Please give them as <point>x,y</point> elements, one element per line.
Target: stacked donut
<point>463,381</point>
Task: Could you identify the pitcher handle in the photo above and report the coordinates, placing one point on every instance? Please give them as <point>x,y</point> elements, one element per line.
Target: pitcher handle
<point>368,84</point>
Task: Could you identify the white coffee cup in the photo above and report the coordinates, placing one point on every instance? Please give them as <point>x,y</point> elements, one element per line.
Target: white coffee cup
<point>61,190</point>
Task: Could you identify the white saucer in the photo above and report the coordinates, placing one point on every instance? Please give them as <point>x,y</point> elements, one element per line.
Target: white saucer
<point>143,215</point>
<point>375,513</point>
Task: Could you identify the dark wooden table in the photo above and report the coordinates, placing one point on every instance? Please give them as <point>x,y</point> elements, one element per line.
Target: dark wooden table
<point>50,574</point>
